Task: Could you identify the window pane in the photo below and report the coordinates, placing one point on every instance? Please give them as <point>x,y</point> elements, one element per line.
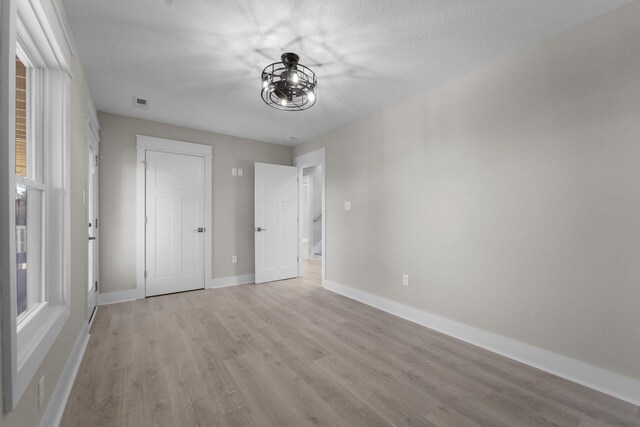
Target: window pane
<point>28,248</point>
<point>21,118</point>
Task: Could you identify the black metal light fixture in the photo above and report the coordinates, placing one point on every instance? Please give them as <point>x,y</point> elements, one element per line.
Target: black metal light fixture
<point>287,85</point>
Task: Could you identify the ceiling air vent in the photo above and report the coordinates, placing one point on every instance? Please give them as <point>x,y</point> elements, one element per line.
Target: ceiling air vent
<point>140,103</point>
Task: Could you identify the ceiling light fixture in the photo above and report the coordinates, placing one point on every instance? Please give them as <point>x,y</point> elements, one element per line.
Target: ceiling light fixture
<point>289,86</point>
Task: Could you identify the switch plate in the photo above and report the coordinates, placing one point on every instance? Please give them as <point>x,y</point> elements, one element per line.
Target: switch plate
<point>239,171</point>
<point>234,172</point>
<point>347,205</point>
<point>41,392</point>
<point>234,259</point>
<point>405,280</point>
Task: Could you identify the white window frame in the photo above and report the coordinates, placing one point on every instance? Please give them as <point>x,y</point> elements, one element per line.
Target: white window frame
<point>33,30</point>
<point>35,177</point>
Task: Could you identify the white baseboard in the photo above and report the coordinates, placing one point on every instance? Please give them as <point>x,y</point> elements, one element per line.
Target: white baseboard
<point>55,409</point>
<point>134,294</point>
<point>223,282</point>
<point>119,296</point>
<point>605,381</point>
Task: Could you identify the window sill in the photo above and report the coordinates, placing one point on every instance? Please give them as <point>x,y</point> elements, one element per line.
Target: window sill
<point>35,339</point>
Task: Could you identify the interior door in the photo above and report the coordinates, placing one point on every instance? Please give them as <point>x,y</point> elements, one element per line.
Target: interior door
<point>276,222</point>
<point>175,222</point>
<point>92,216</point>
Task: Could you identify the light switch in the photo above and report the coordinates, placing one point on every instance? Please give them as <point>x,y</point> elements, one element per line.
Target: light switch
<point>234,259</point>
<point>347,205</point>
<point>239,171</point>
<point>405,280</point>
<point>234,172</point>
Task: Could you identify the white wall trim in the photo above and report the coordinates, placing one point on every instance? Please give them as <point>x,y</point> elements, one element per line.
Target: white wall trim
<point>605,381</point>
<point>55,409</point>
<point>223,282</point>
<point>314,158</point>
<point>144,143</point>
<point>119,296</point>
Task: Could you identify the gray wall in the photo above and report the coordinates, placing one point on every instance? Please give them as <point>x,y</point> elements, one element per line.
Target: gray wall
<point>511,195</point>
<point>27,412</point>
<point>232,196</point>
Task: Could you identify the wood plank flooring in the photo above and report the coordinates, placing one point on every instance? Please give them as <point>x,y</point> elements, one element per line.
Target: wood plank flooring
<point>293,354</point>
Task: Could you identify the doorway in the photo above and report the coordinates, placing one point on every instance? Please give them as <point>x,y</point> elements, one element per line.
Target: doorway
<point>312,178</point>
<point>312,214</point>
<point>93,162</point>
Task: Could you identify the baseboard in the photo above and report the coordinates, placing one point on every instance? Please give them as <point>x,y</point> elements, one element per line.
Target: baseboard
<point>223,282</point>
<point>55,409</point>
<point>134,294</point>
<point>119,296</point>
<point>605,381</point>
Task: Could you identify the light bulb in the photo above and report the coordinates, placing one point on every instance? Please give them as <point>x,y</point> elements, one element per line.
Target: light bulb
<point>265,83</point>
<point>283,102</point>
<point>311,96</point>
<point>294,78</point>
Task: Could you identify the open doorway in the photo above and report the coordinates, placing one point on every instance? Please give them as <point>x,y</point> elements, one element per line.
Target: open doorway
<point>311,178</point>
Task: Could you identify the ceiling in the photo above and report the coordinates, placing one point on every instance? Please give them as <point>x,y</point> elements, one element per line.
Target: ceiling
<point>198,62</point>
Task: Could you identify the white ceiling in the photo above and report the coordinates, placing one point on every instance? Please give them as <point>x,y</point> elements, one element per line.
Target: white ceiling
<point>198,62</point>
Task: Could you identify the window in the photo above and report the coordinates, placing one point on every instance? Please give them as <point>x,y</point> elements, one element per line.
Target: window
<point>37,285</point>
<point>29,196</point>
<point>21,118</point>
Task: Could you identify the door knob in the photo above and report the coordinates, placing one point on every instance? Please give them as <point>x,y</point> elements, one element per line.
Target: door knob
<point>92,238</point>
<point>259,229</point>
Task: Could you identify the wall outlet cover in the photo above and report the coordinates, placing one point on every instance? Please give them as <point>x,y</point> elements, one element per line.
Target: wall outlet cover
<point>347,205</point>
<point>240,172</point>
<point>405,280</point>
<point>234,172</point>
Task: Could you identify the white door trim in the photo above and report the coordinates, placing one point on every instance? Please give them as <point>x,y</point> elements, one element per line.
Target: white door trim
<point>314,158</point>
<point>144,143</point>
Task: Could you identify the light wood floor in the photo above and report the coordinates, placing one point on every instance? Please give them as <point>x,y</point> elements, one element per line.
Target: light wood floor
<point>293,354</point>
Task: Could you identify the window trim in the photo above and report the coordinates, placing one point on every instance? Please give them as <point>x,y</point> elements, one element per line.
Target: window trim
<point>37,26</point>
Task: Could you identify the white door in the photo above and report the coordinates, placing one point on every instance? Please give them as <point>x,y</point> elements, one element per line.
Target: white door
<point>276,222</point>
<point>175,223</point>
<point>92,217</point>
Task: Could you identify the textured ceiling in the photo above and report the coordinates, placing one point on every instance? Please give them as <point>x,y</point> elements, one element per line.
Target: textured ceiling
<point>198,62</point>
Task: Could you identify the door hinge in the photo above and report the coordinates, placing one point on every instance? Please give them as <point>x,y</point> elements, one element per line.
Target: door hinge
<point>145,274</point>
<point>96,222</point>
<point>96,286</point>
<point>298,258</point>
<point>144,162</point>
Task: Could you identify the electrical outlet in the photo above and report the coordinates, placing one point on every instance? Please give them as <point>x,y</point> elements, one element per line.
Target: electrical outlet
<point>347,205</point>
<point>234,172</point>
<point>234,259</point>
<point>405,280</point>
<point>41,392</point>
<point>240,172</point>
